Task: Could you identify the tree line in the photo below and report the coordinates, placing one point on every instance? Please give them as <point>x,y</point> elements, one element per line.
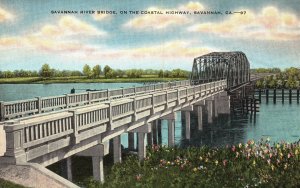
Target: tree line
<point>94,72</point>
<point>288,78</point>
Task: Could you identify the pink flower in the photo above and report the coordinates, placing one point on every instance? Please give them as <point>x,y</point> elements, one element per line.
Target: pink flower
<point>233,148</point>
<point>138,177</point>
<point>224,162</point>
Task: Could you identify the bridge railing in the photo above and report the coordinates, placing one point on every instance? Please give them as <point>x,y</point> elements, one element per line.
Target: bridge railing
<point>14,109</point>
<point>32,137</point>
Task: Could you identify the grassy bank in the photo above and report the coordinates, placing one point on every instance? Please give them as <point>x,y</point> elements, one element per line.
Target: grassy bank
<point>38,80</point>
<point>7,184</point>
<point>243,165</point>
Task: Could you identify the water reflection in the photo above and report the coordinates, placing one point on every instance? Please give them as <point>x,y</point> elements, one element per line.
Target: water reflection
<point>275,121</point>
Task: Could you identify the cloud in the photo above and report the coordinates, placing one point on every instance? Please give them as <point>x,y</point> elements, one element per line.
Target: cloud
<point>269,24</point>
<point>170,50</point>
<point>70,26</point>
<point>5,15</point>
<point>100,17</point>
<point>55,38</point>
<point>162,21</point>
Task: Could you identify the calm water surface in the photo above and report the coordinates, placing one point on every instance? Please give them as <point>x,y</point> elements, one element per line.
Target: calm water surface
<point>10,92</point>
<point>275,121</point>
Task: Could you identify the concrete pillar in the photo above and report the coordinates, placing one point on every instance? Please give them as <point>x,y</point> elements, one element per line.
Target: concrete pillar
<point>69,169</point>
<point>98,171</point>
<point>117,149</point>
<point>154,131</point>
<point>142,145</point>
<point>200,118</point>
<point>97,152</point>
<point>171,133</point>
<point>130,141</point>
<point>187,125</point>
<point>149,139</point>
<point>209,106</point>
<point>159,135</point>
<point>216,105</point>
<point>66,168</point>
<point>224,103</point>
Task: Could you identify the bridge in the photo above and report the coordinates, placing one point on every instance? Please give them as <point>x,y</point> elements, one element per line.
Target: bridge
<point>45,130</point>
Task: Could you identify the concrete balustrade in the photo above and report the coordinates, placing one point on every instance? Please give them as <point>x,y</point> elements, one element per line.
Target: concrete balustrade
<point>15,109</point>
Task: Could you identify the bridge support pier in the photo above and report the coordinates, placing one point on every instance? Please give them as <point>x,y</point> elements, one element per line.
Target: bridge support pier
<point>98,171</point>
<point>149,139</point>
<point>159,135</point>
<point>216,105</point>
<point>171,132</point>
<point>209,107</point>
<point>171,128</point>
<point>200,118</point>
<point>223,103</point>
<point>66,168</point>
<point>97,153</point>
<point>117,149</point>
<point>154,132</point>
<point>187,114</point>
<point>142,131</point>
<point>142,145</point>
<point>130,141</point>
<point>187,125</point>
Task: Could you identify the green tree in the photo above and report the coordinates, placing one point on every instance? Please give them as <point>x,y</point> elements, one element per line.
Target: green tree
<point>87,70</point>
<point>160,73</point>
<point>96,71</point>
<point>119,73</point>
<point>107,71</point>
<point>110,74</point>
<point>45,71</point>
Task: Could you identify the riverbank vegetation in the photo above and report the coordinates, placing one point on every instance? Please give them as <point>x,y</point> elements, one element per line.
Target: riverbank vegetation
<point>287,79</point>
<point>244,165</point>
<point>91,74</point>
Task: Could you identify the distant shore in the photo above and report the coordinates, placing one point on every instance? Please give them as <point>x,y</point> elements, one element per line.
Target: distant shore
<point>39,80</point>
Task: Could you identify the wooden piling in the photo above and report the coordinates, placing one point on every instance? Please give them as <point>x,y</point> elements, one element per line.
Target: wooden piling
<point>282,95</point>
<point>259,95</point>
<point>274,96</point>
<point>290,96</point>
<point>267,95</point>
<point>298,96</point>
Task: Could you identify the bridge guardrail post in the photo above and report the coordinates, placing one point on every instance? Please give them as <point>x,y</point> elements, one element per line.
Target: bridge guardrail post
<point>14,141</point>
<point>109,115</point>
<point>2,111</point>
<point>89,97</point>
<point>39,104</point>
<point>75,126</point>
<point>187,95</point>
<point>167,98</point>
<point>134,109</point>
<point>178,97</point>
<point>108,94</point>
<point>153,104</point>
<point>67,101</point>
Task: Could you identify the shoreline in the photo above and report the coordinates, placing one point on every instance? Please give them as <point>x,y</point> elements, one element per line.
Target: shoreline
<point>38,80</point>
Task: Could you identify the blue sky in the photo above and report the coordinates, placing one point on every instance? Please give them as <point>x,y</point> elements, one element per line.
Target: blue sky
<point>30,35</point>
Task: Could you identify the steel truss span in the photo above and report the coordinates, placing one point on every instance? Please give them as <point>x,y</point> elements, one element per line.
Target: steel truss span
<point>233,66</point>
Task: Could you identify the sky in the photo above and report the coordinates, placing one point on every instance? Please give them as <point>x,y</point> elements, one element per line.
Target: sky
<point>33,33</point>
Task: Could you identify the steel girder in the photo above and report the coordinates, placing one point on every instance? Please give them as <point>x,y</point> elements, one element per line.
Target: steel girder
<point>233,66</point>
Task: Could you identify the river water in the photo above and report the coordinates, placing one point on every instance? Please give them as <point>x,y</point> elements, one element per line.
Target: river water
<point>274,121</point>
